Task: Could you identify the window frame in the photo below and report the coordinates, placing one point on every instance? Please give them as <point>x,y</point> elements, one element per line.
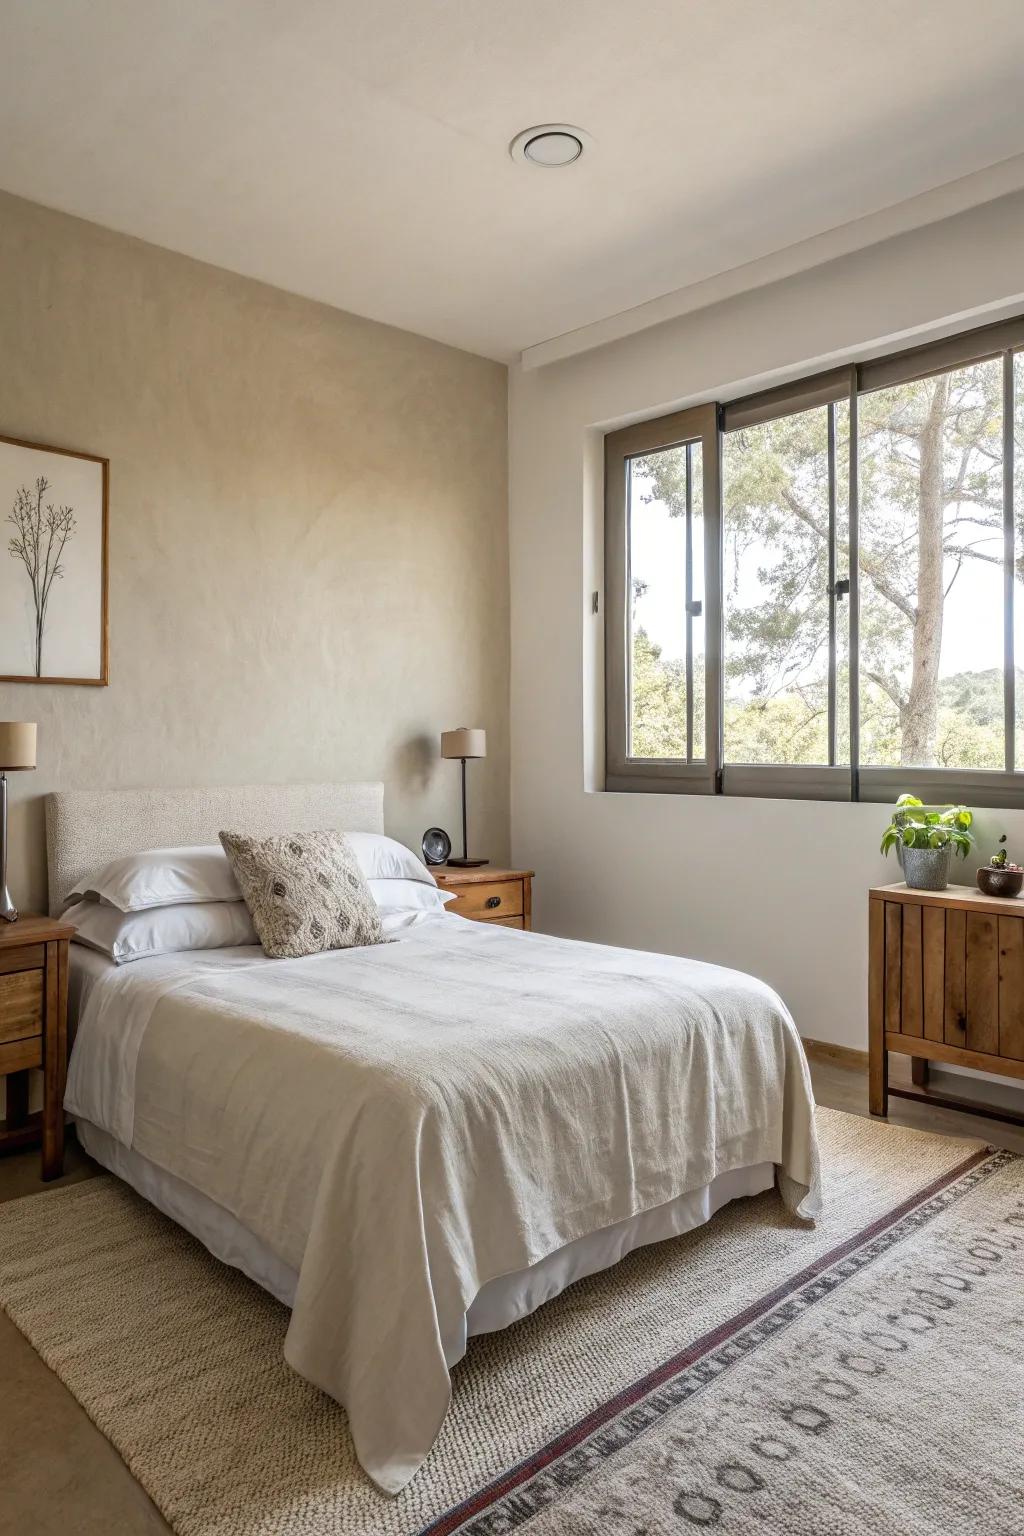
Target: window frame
<point>708,424</point>
<point>797,781</point>
<point>665,775</point>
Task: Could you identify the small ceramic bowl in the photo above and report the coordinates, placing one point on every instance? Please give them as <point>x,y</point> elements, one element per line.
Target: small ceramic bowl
<point>1000,882</point>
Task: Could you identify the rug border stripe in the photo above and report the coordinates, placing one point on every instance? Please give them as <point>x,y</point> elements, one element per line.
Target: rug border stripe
<point>449,1523</point>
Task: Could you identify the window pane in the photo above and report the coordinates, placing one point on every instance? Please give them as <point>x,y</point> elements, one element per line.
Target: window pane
<point>697,622</point>
<point>658,521</point>
<point>1018,558</point>
<point>842,418</point>
<point>776,566</point>
<point>931,616</point>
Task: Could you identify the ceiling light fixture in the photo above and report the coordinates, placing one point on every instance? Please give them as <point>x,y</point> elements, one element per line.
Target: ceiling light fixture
<point>549,145</point>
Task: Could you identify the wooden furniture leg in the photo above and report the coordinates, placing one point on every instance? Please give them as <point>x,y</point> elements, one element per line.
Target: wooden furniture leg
<point>919,1071</point>
<point>54,1061</point>
<point>878,1056</point>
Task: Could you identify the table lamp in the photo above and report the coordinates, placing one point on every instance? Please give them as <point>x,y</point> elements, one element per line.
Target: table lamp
<point>465,742</point>
<point>17,750</point>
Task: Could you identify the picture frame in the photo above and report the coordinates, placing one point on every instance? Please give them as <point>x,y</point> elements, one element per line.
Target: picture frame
<point>54,579</point>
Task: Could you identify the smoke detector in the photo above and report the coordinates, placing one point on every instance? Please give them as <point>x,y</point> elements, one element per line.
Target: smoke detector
<point>549,146</point>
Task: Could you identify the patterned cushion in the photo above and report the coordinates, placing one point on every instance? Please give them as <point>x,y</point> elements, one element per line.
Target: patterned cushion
<point>305,891</point>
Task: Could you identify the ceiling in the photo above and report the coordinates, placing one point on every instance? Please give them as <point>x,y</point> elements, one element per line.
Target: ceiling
<point>358,154</point>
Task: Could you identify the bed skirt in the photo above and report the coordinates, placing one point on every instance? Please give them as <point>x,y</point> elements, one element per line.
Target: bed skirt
<point>499,1303</point>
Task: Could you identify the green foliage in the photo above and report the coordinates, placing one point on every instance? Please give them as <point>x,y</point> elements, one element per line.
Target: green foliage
<point>776,567</point>
<point>659,702</point>
<point>915,825</point>
<point>1000,857</point>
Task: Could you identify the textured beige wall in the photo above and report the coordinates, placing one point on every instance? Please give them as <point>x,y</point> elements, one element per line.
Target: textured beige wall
<point>308,534</point>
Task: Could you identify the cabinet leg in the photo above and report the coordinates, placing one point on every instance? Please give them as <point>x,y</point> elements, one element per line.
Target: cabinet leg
<point>878,1056</point>
<point>53,1143</point>
<point>878,1082</point>
<point>919,1071</point>
<point>54,1064</point>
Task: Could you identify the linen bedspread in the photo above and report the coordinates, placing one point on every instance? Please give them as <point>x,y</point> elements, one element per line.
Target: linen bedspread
<point>404,1123</point>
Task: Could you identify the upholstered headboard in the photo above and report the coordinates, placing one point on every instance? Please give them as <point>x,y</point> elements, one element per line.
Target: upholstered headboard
<point>87,828</point>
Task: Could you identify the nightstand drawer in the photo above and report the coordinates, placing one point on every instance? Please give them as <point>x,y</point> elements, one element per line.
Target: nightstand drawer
<point>22,957</point>
<point>490,898</point>
<point>21,1004</point>
<point>17,1055</point>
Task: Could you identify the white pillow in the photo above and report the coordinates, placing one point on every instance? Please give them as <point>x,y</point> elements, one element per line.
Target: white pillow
<point>382,858</point>
<point>162,877</point>
<point>409,896</point>
<point>161,930</point>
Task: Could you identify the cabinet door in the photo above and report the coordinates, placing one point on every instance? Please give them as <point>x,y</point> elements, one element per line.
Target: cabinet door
<point>955,978</point>
<point>1011,987</point>
<point>982,983</point>
<point>933,964</point>
<point>911,977</point>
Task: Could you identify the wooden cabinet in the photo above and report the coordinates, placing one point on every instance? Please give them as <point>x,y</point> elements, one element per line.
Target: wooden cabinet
<point>33,1032</point>
<point>945,982</point>
<point>488,895</point>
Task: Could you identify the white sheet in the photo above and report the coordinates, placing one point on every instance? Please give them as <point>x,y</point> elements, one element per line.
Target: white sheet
<point>499,1095</point>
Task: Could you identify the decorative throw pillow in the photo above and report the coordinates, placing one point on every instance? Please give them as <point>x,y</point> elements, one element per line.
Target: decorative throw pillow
<point>305,891</point>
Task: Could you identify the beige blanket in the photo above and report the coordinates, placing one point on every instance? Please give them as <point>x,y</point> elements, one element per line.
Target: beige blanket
<point>403,1124</point>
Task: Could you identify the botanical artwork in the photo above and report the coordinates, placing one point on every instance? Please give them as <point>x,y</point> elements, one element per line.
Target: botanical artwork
<point>52,565</point>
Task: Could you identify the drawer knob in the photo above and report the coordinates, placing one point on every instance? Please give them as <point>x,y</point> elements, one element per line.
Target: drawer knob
<point>494,901</point>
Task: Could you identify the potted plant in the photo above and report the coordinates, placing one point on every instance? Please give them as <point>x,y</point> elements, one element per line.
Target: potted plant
<point>998,878</point>
<point>925,837</point>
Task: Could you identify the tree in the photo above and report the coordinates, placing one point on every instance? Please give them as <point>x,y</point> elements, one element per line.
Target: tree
<point>658,701</point>
<point>930,477</point>
<point>40,536</point>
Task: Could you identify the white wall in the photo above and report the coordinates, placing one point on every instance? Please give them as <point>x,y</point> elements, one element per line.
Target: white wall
<point>774,887</point>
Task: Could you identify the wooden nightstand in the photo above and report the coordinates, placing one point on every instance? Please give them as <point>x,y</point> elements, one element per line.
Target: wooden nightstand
<point>33,1032</point>
<point>488,895</point>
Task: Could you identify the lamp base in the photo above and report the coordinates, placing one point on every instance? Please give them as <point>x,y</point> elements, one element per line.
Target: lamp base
<point>466,863</point>
<point>8,911</point>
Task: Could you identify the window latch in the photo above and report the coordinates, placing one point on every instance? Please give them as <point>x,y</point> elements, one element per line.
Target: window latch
<point>842,588</point>
<point>695,608</point>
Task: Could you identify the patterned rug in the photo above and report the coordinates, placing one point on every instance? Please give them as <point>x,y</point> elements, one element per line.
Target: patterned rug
<point>758,1375</point>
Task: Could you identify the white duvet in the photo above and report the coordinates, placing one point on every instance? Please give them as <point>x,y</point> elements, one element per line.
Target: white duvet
<point>404,1123</point>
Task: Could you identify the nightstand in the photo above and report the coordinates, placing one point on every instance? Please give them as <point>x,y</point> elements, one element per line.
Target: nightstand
<point>488,895</point>
<point>33,1032</point>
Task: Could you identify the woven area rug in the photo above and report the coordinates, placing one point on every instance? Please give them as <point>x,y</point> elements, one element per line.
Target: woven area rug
<point>757,1375</point>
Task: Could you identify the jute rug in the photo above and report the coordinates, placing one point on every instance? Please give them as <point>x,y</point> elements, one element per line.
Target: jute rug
<point>866,1374</point>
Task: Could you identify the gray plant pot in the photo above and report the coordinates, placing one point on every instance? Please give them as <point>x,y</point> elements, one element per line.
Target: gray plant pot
<point>927,869</point>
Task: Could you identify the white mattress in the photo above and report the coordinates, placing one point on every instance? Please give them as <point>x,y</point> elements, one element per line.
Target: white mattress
<point>499,1303</point>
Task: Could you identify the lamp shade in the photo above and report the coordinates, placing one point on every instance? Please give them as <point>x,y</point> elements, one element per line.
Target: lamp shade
<point>17,745</point>
<point>467,741</point>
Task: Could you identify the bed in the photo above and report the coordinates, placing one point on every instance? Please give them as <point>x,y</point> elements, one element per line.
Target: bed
<point>419,1141</point>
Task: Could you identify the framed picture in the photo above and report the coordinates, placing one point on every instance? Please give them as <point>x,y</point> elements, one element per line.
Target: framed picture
<point>53,565</point>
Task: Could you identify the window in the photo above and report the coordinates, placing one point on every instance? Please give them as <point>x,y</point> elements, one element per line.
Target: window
<point>661,568</point>
<point>785,690</point>
<point>666,619</point>
<point>931,577</point>
<point>816,590</point>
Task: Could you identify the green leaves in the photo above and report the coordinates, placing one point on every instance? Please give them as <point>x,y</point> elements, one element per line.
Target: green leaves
<point>915,825</point>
